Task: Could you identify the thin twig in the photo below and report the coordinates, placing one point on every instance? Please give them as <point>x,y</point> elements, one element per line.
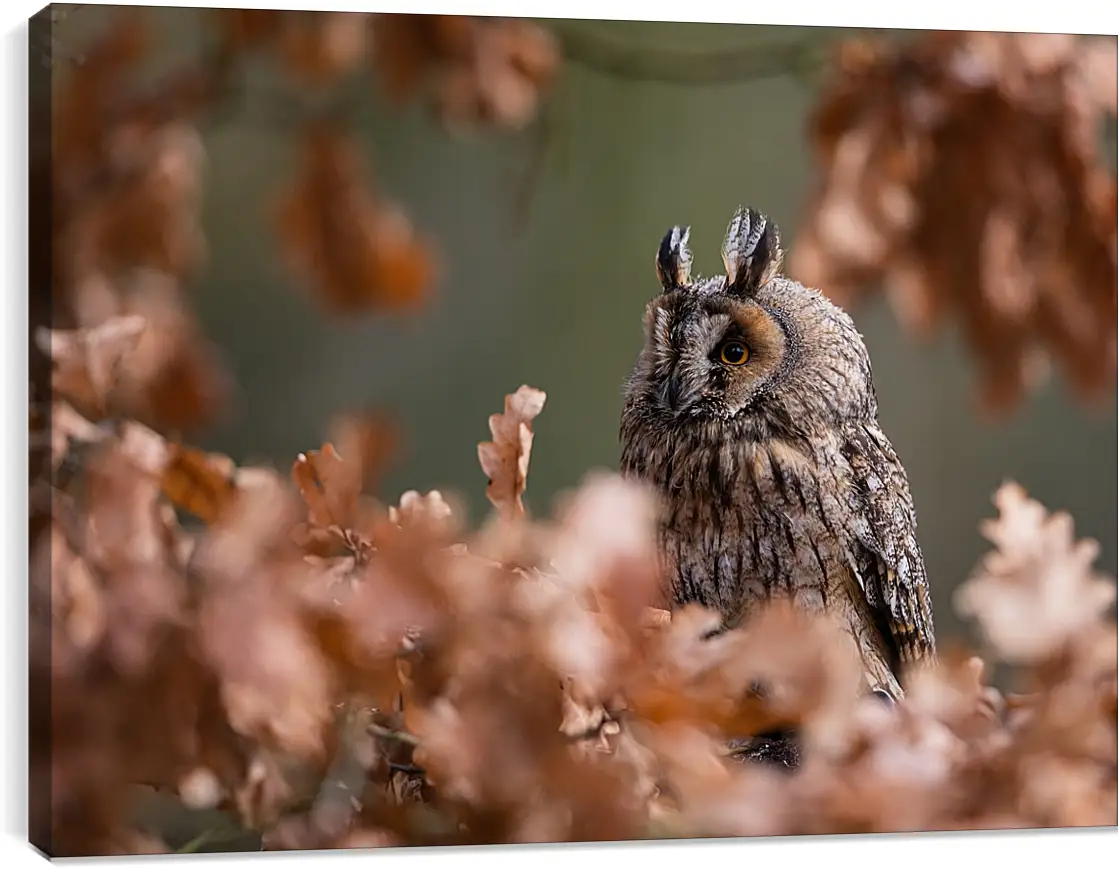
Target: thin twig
<point>389,734</point>
<point>338,800</point>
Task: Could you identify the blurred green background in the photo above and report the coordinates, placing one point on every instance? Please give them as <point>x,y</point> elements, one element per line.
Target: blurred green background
<point>552,295</point>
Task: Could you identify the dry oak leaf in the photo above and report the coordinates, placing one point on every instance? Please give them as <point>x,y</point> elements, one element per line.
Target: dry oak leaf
<point>175,380</point>
<point>415,508</point>
<point>277,685</point>
<point>202,483</point>
<point>408,50</point>
<point>318,47</point>
<point>1036,591</point>
<point>489,70</point>
<point>332,478</point>
<point>359,253</point>
<point>86,360</point>
<point>148,213</point>
<point>505,459</point>
<point>514,61</point>
<point>67,429</point>
<point>954,693</point>
<point>78,607</point>
<point>654,619</point>
<point>606,544</point>
<point>127,540</point>
<point>327,485</point>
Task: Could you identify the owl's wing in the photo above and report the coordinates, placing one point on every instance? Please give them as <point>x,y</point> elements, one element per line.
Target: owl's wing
<point>890,562</point>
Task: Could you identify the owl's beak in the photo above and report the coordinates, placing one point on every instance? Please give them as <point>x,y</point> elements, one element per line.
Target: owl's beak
<point>674,393</point>
<point>677,393</point>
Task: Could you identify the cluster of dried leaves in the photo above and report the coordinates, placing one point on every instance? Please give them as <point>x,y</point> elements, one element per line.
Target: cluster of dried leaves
<point>126,162</point>
<point>963,172</point>
<point>336,672</point>
<point>124,179</point>
<point>474,70</point>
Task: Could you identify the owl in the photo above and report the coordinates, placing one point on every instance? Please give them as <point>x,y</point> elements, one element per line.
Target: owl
<point>751,410</point>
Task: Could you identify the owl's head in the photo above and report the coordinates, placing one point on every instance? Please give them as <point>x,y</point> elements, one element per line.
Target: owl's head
<point>750,348</point>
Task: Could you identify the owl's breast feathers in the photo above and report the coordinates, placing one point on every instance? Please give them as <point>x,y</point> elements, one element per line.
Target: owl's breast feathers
<point>826,521</point>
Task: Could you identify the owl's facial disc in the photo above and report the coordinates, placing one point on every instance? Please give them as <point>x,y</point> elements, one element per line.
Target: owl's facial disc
<point>712,356</point>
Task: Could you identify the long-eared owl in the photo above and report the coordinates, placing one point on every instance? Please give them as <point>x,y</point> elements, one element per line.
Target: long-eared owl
<point>751,409</point>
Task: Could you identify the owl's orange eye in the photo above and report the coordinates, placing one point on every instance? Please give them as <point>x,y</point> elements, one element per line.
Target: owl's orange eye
<point>733,353</point>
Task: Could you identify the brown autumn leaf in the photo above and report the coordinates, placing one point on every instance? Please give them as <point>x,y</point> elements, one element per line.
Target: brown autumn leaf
<point>318,47</point>
<point>606,543</point>
<point>513,62</point>
<point>1036,592</point>
<point>331,479</point>
<point>76,600</point>
<point>654,619</point>
<point>130,539</point>
<point>69,428</point>
<point>954,692</point>
<point>276,683</point>
<point>594,602</point>
<point>148,216</point>
<point>357,252</point>
<point>86,361</point>
<point>490,70</point>
<point>175,381</point>
<point>368,440</point>
<point>405,47</point>
<point>189,392</point>
<point>414,508</point>
<point>202,483</point>
<point>328,485</point>
<point>505,459</point>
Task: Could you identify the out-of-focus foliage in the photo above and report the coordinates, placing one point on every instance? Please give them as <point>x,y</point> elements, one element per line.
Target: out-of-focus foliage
<point>126,165</point>
<point>336,671</point>
<point>962,172</point>
<point>461,672</point>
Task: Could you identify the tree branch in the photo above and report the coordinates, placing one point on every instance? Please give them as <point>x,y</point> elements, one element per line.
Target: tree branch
<point>622,60</point>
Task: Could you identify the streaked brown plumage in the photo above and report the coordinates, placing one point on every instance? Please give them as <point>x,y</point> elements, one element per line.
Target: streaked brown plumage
<point>776,478</point>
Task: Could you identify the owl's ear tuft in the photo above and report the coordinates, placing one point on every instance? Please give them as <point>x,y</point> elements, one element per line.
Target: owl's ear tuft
<point>674,259</point>
<point>752,252</point>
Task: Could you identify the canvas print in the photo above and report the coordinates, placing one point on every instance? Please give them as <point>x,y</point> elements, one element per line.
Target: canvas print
<point>450,430</point>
